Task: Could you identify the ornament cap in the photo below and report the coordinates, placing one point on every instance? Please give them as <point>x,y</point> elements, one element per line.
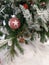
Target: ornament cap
<point>13,16</point>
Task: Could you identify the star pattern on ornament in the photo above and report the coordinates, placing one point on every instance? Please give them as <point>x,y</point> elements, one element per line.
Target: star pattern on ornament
<point>15,23</point>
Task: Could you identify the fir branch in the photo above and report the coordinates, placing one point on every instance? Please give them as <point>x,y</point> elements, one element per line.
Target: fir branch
<point>26,42</point>
<point>1,33</point>
<point>42,37</point>
<point>12,48</point>
<point>18,46</point>
<point>47,33</point>
<point>3,46</point>
<point>32,36</point>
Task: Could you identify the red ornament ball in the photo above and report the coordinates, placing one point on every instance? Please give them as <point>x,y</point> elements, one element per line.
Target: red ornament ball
<point>42,3</point>
<point>14,23</point>
<point>21,40</point>
<point>25,6</point>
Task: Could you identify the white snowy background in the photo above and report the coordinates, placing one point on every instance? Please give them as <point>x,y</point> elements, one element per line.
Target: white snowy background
<point>38,54</point>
